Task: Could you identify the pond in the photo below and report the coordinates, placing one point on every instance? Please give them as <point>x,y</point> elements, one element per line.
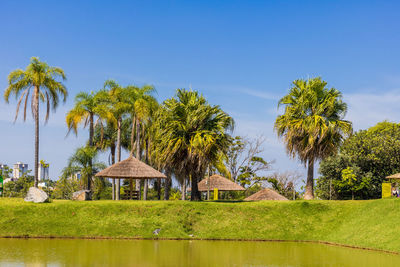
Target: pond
<point>74,252</point>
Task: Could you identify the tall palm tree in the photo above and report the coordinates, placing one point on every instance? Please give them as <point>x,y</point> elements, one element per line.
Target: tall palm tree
<point>313,125</point>
<point>105,138</point>
<point>87,107</point>
<point>191,134</point>
<point>140,102</point>
<point>118,107</point>
<point>42,81</point>
<point>148,135</point>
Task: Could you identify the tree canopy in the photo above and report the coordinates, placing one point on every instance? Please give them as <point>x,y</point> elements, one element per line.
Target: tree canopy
<point>368,157</point>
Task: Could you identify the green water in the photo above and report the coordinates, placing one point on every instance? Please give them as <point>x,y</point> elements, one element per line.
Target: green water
<point>65,252</point>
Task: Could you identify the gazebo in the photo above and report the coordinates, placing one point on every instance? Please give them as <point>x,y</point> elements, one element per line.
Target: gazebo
<point>388,187</point>
<point>218,182</point>
<point>266,194</point>
<point>131,168</point>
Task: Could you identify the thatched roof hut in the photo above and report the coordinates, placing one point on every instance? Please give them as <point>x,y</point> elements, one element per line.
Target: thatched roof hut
<point>219,182</point>
<point>266,194</point>
<point>393,176</point>
<point>131,168</point>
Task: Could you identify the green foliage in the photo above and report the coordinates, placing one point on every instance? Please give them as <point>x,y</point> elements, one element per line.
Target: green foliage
<point>19,187</point>
<point>65,187</point>
<point>372,154</point>
<point>83,161</point>
<point>249,174</point>
<point>6,172</point>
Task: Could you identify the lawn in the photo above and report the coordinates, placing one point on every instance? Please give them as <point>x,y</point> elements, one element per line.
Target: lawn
<point>369,224</point>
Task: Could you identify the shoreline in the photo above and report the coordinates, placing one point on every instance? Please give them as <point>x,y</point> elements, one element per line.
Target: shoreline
<point>367,225</point>
<point>328,243</point>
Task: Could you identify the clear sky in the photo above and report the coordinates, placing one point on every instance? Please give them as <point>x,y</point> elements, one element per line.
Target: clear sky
<point>241,55</point>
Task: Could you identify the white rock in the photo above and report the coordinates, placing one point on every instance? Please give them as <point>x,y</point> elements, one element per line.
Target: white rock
<point>36,195</point>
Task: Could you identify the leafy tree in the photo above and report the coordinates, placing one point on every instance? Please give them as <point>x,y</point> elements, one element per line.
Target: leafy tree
<point>285,183</point>
<point>312,125</point>
<point>18,187</point>
<point>65,187</point>
<point>249,174</point>
<point>42,81</point>
<point>373,154</point>
<point>244,162</point>
<point>5,172</point>
<point>352,182</point>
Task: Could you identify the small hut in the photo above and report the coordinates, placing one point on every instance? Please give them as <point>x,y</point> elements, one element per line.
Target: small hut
<point>219,182</point>
<point>131,168</point>
<point>266,194</point>
<point>391,188</point>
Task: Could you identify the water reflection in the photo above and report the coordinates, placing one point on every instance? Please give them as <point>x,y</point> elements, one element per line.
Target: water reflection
<point>66,252</point>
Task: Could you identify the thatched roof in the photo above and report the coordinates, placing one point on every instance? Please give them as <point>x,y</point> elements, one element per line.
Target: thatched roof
<point>393,176</point>
<point>217,181</point>
<point>130,168</point>
<point>266,194</point>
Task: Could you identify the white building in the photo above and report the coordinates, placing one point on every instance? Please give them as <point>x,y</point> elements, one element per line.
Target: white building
<point>76,176</point>
<point>43,171</point>
<point>19,169</point>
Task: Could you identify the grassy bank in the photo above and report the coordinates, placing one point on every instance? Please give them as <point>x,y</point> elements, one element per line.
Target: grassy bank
<point>370,224</point>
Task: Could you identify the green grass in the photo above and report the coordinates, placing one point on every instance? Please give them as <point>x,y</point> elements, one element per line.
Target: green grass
<point>370,224</point>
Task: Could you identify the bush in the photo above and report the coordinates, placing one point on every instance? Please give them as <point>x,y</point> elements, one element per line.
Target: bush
<point>18,187</point>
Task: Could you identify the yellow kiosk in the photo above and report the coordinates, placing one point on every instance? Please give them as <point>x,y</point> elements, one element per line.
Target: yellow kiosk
<point>388,188</point>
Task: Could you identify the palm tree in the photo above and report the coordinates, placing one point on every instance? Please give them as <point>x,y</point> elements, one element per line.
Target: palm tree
<point>87,106</point>
<point>140,102</point>
<point>312,125</point>
<point>118,107</point>
<point>191,134</point>
<point>42,80</point>
<point>83,161</point>
<point>105,138</point>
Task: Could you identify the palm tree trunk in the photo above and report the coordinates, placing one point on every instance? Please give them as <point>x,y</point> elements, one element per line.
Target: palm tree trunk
<point>146,181</point>
<point>158,189</point>
<point>167,186</point>
<point>113,162</point>
<point>118,182</point>
<point>184,190</point>
<point>195,190</point>
<point>133,135</point>
<point>309,194</point>
<point>145,188</point>
<point>36,106</point>
<point>138,153</point>
<point>91,134</point>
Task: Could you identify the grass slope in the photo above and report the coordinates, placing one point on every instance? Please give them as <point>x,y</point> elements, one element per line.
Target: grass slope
<point>369,224</point>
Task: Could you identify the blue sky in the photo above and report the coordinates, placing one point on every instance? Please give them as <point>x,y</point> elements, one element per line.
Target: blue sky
<point>241,55</point>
